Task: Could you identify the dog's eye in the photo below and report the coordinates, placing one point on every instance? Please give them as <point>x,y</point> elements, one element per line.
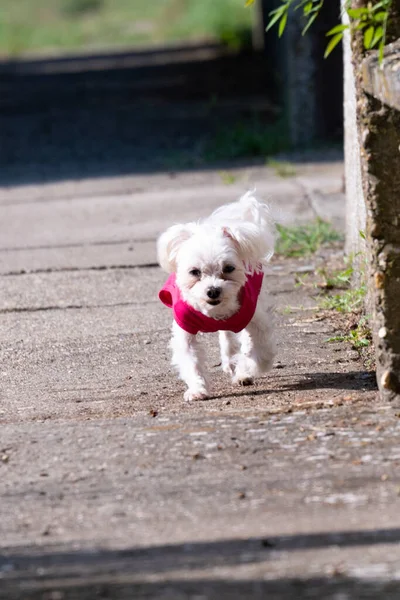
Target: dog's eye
<point>228,269</point>
<point>195,272</point>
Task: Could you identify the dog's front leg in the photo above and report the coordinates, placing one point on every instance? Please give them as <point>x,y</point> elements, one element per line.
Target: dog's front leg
<point>188,357</point>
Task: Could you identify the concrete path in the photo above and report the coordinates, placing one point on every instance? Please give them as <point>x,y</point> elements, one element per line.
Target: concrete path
<point>111,486</point>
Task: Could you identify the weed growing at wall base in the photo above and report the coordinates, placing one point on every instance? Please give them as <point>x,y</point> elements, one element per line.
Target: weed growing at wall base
<point>358,334</point>
<point>349,306</point>
<point>359,337</point>
<point>351,300</point>
<point>303,240</point>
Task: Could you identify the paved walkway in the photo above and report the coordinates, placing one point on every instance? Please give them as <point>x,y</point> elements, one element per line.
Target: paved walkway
<point>110,485</point>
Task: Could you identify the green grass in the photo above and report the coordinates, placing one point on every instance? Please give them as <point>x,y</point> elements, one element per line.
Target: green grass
<point>228,178</point>
<point>64,25</point>
<point>282,169</point>
<point>337,279</point>
<point>359,337</point>
<point>304,240</point>
<point>351,300</point>
<point>250,138</point>
<point>247,139</point>
<point>351,303</point>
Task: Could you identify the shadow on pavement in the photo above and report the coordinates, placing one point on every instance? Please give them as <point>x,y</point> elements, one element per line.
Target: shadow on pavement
<point>353,380</point>
<point>122,574</point>
<point>326,588</point>
<point>132,112</point>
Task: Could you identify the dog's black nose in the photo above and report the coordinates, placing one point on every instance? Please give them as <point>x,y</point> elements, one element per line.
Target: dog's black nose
<point>213,292</point>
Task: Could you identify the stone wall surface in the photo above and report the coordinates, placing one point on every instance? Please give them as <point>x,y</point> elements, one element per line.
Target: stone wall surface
<point>380,132</point>
<point>383,82</point>
<point>372,149</point>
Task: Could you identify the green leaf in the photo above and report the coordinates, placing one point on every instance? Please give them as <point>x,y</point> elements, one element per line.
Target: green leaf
<point>368,35</point>
<point>310,22</point>
<point>360,25</point>
<point>307,8</point>
<point>284,7</point>
<point>378,36</point>
<point>362,234</point>
<point>336,338</point>
<point>362,343</point>
<point>378,5</point>
<point>333,43</point>
<point>278,11</point>
<point>277,14</point>
<point>337,29</point>
<point>356,13</point>
<point>282,25</point>
<point>380,17</point>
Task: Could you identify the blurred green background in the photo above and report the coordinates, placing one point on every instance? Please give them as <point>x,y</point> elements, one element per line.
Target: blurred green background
<point>58,26</point>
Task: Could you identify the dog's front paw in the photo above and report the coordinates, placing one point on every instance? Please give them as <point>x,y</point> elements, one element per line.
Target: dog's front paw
<point>228,368</point>
<point>243,380</point>
<point>195,394</point>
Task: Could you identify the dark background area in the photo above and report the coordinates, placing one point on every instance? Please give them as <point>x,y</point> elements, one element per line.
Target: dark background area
<point>184,106</point>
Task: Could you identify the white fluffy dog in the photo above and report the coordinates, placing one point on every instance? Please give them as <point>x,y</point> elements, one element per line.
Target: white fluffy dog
<point>217,284</point>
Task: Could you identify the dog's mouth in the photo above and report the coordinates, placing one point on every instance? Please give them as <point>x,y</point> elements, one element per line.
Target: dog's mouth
<point>214,302</point>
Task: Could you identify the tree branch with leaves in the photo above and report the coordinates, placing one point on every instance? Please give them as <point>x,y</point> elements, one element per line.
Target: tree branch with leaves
<point>371,19</point>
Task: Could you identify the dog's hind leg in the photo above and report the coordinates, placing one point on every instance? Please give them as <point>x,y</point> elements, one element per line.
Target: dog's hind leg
<point>229,345</point>
<point>257,348</point>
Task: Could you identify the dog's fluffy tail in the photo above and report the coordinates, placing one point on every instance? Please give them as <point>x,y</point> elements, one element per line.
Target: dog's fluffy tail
<point>249,210</point>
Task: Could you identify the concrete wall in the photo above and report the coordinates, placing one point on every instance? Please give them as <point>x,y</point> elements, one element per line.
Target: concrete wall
<point>355,204</point>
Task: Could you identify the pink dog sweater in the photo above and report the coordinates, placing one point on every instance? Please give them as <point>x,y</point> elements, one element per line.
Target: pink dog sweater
<point>194,321</point>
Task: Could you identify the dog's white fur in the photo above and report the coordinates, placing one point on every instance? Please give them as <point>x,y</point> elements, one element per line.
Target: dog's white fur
<point>239,235</point>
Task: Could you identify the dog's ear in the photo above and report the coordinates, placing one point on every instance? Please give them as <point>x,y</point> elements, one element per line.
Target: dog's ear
<point>254,246</point>
<point>168,245</point>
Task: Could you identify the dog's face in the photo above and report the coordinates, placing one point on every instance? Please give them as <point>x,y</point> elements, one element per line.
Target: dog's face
<point>210,264</point>
<point>210,274</point>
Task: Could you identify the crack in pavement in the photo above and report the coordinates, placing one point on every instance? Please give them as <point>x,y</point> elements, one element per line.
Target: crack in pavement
<point>308,195</point>
<point>79,269</point>
<point>31,309</point>
<point>76,245</point>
